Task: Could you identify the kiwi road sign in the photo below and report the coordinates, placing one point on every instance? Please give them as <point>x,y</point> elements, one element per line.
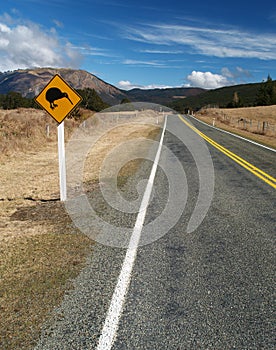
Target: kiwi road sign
<point>58,98</point>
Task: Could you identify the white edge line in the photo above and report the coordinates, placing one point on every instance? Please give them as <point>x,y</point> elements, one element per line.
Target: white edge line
<point>108,334</point>
<point>239,137</point>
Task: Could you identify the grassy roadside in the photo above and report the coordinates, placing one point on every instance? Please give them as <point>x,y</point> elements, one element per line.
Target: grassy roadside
<point>35,273</point>
<point>40,249</point>
<point>245,122</point>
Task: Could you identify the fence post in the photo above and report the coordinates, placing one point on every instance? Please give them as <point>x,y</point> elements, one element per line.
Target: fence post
<point>47,130</point>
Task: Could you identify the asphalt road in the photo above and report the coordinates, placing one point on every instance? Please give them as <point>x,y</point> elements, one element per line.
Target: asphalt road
<point>212,288</point>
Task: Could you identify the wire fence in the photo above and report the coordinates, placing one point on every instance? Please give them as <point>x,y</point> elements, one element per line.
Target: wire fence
<point>256,126</point>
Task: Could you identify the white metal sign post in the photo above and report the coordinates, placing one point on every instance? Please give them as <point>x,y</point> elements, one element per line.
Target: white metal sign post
<point>59,99</point>
<point>61,161</point>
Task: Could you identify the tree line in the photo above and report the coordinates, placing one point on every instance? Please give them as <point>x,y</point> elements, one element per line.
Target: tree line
<point>265,96</point>
<point>90,100</point>
<point>244,95</point>
<point>13,100</point>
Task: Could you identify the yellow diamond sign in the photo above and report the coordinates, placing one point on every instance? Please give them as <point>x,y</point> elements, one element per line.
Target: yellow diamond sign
<point>58,98</point>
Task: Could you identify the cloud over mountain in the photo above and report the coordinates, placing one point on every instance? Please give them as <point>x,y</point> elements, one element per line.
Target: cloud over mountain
<point>206,80</point>
<point>127,85</point>
<point>28,45</point>
<point>209,80</point>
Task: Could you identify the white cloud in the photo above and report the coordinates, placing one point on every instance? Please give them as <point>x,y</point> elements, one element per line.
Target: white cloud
<point>27,45</point>
<point>92,51</point>
<point>227,42</point>
<point>237,73</point>
<point>58,23</point>
<point>206,80</point>
<point>151,63</point>
<point>127,85</point>
<point>169,52</point>
<point>143,63</point>
<point>226,72</point>
<point>4,28</point>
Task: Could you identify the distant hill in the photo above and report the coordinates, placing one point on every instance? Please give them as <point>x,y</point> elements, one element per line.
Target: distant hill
<point>161,96</point>
<point>221,97</point>
<point>29,82</point>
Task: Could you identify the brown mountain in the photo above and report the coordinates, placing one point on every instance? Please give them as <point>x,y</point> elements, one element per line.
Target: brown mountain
<point>29,82</point>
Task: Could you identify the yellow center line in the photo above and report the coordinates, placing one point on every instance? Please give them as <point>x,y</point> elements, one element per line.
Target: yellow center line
<point>270,180</point>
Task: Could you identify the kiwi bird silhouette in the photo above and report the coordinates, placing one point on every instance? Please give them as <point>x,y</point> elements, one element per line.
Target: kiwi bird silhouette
<point>54,94</point>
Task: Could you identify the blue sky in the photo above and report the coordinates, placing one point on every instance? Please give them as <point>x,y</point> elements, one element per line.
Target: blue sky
<point>142,43</point>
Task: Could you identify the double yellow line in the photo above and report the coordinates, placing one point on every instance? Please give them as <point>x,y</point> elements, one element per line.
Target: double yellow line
<point>250,167</point>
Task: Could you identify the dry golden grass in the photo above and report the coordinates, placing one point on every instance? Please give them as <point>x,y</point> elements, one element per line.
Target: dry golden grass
<point>35,273</point>
<point>255,123</point>
<point>25,129</point>
<point>109,141</point>
<point>40,249</point>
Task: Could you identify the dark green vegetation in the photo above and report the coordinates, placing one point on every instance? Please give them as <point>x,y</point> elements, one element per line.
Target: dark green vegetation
<point>13,100</point>
<point>162,96</point>
<point>245,95</point>
<point>91,100</point>
<point>266,94</point>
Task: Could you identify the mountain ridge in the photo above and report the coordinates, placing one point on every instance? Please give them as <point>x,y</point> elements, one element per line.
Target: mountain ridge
<point>29,83</point>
